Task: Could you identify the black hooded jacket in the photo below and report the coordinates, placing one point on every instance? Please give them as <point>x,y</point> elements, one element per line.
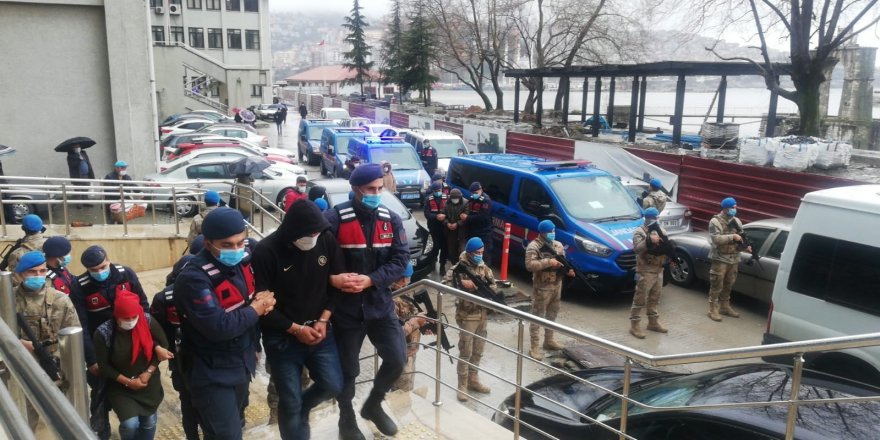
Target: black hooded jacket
<point>300,279</point>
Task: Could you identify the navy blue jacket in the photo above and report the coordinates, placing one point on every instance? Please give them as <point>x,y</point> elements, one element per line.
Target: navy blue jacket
<point>479,223</point>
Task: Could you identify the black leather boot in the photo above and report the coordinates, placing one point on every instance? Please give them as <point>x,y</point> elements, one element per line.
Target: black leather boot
<point>348,427</point>
<point>373,412</point>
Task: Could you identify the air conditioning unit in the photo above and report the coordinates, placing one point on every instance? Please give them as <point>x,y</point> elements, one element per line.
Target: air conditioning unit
<point>174,9</point>
<point>159,10</point>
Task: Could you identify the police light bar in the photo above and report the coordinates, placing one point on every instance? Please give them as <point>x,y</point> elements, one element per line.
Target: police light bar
<point>562,164</point>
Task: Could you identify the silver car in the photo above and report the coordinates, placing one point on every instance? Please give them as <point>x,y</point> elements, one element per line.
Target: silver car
<point>675,218</point>
<point>756,276</point>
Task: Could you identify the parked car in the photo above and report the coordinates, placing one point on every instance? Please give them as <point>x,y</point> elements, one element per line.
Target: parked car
<point>214,174</point>
<point>379,129</point>
<point>201,114</point>
<point>726,385</point>
<point>334,148</point>
<point>185,126</point>
<point>236,131</point>
<point>212,150</point>
<point>309,139</point>
<point>419,239</point>
<point>267,111</point>
<point>675,218</point>
<point>22,202</point>
<point>355,122</point>
<point>337,114</point>
<point>277,154</point>
<point>756,276</point>
<point>413,182</point>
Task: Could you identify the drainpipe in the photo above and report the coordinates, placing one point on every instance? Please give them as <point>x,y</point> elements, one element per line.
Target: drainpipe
<point>153,106</point>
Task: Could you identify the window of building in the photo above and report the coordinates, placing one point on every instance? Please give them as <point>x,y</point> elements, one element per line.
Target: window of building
<point>213,5</point>
<point>177,34</point>
<point>174,2</point>
<point>233,5</point>
<point>233,38</point>
<point>837,271</point>
<point>158,34</point>
<point>252,5</point>
<point>252,39</point>
<point>215,38</point>
<point>196,37</point>
<point>256,90</point>
<point>194,4</point>
<point>155,3</point>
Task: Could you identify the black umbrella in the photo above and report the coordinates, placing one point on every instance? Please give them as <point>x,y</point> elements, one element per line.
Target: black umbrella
<point>67,146</point>
<point>249,165</point>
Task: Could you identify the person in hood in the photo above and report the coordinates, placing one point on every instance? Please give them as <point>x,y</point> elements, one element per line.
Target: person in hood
<point>297,262</point>
<point>455,233</point>
<point>318,192</point>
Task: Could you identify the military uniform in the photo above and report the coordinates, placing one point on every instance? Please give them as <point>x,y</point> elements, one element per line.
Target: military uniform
<point>479,222</point>
<point>405,309</point>
<point>656,199</point>
<point>472,320</point>
<point>195,228</point>
<point>725,261</point>
<point>649,282</point>
<point>32,242</point>
<point>547,289</point>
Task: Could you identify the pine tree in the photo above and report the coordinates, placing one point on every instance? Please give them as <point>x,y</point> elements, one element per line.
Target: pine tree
<point>392,47</point>
<point>356,58</point>
<point>419,50</point>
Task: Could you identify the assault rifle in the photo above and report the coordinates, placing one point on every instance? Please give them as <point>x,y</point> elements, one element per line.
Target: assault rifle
<point>745,243</point>
<point>665,247</point>
<point>566,266</point>
<point>7,252</point>
<point>483,290</point>
<point>50,364</point>
<point>420,299</point>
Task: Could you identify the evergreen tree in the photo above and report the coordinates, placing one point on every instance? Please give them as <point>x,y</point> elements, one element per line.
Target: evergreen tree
<point>392,47</point>
<point>356,58</point>
<point>419,51</point>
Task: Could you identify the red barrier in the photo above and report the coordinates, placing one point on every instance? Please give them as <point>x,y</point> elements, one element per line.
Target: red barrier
<point>400,120</point>
<point>541,146</point>
<point>505,252</point>
<point>337,102</point>
<point>456,129</point>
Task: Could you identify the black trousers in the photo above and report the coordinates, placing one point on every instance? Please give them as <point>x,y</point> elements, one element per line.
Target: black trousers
<point>99,406</point>
<point>187,412</point>
<point>386,335</point>
<point>438,236</point>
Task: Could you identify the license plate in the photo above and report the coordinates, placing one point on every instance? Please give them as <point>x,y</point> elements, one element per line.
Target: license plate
<point>409,196</point>
<point>669,223</point>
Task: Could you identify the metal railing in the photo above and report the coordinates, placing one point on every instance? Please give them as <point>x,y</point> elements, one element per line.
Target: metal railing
<point>795,349</point>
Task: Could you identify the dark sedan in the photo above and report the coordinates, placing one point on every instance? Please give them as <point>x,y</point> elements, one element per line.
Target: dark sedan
<point>737,384</point>
<point>756,278</point>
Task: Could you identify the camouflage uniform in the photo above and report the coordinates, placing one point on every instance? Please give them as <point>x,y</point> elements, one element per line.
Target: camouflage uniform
<point>33,242</point>
<point>546,290</point>
<point>472,321</point>
<point>649,274</point>
<point>195,228</point>
<point>725,259</point>
<point>657,199</point>
<point>46,311</point>
<point>405,309</point>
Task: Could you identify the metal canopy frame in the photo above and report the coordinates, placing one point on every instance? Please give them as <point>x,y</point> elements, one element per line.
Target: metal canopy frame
<point>639,74</point>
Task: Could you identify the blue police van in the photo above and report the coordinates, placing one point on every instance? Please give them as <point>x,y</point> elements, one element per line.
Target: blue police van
<point>334,148</point>
<point>594,214</point>
<point>412,180</point>
<point>309,139</point>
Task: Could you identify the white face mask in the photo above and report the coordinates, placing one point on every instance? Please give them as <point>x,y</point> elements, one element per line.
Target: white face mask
<point>76,150</point>
<point>306,243</point>
<point>301,189</point>
<point>128,325</point>
<point>123,172</point>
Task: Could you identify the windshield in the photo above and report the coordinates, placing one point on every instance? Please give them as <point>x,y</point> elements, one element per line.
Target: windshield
<point>595,198</point>
<point>636,190</point>
<point>388,199</point>
<point>447,147</point>
<point>315,133</point>
<point>336,114</point>
<point>400,158</point>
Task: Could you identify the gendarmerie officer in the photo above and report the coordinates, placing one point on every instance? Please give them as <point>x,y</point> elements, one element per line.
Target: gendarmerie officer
<point>57,250</point>
<point>374,245</point>
<point>219,311</point>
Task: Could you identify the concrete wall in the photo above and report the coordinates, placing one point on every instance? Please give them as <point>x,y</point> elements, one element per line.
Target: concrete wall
<point>75,69</point>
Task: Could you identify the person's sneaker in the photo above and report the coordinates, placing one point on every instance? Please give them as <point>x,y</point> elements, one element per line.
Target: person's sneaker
<point>373,412</point>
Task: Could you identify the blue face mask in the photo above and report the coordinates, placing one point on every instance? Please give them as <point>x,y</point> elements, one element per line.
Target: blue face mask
<point>438,194</point>
<point>475,196</point>
<point>231,257</point>
<point>100,276</point>
<point>477,259</point>
<point>551,236</point>
<point>731,212</point>
<point>65,261</point>
<point>34,283</point>
<point>371,201</point>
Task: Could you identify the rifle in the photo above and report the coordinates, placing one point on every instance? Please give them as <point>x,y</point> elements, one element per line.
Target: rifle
<point>7,252</point>
<point>665,247</point>
<point>423,299</point>
<point>566,266</point>
<point>483,290</point>
<point>50,364</point>
<point>745,243</point>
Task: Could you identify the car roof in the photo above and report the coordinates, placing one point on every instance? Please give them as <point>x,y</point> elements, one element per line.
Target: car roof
<point>346,130</point>
<point>210,144</point>
<point>193,119</point>
<point>533,165</point>
<point>433,134</point>
<point>321,122</point>
<point>334,185</point>
<point>860,197</point>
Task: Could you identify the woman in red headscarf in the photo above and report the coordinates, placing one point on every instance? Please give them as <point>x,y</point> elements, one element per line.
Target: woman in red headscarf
<point>124,347</point>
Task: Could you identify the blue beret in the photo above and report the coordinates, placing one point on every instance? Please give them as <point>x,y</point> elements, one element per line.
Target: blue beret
<point>437,176</point>
<point>322,204</point>
<point>729,202</point>
<point>222,223</point>
<point>408,272</point>
<point>56,246</point>
<point>656,183</point>
<point>652,212</point>
<point>212,198</point>
<point>29,260</point>
<point>197,244</point>
<point>32,223</point>
<point>120,164</point>
<point>365,174</point>
<point>546,226</point>
<point>436,186</point>
<point>475,186</point>
<point>473,245</point>
<point>93,256</point>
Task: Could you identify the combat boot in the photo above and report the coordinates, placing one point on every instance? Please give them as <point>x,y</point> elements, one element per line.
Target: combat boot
<point>462,387</point>
<point>635,328</point>
<point>654,325</point>
<point>726,310</point>
<point>473,384</point>
<point>713,312</point>
<point>536,351</point>
<point>348,427</point>
<point>373,412</point>
<point>549,342</point>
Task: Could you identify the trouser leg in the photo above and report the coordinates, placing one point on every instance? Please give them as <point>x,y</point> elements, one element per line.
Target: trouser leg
<point>387,336</point>
<point>219,407</point>
<point>99,408</point>
<point>188,414</point>
<point>349,338</point>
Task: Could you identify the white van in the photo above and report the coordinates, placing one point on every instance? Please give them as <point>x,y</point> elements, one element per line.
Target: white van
<point>447,145</point>
<point>829,279</point>
<point>337,114</point>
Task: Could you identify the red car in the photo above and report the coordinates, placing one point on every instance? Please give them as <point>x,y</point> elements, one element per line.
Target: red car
<point>187,149</point>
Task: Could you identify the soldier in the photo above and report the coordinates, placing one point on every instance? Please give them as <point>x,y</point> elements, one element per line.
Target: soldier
<point>434,205</point>
<point>546,284</point>
<point>428,155</point>
<point>412,322</point>
<point>212,200</point>
<point>649,274</point>
<point>45,310</point>
<point>726,246</point>
<point>471,318</point>
<point>656,197</point>
<point>438,175</point>
<point>477,220</point>
<point>57,250</point>
<point>33,240</point>
<point>455,234</point>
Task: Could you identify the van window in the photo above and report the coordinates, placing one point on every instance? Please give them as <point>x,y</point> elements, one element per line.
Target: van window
<point>531,196</point>
<point>315,132</point>
<point>496,184</point>
<point>400,158</point>
<point>778,245</point>
<point>595,198</point>
<point>447,147</point>
<point>837,271</point>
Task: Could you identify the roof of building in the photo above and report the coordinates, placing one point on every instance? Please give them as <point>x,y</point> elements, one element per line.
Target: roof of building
<point>329,74</point>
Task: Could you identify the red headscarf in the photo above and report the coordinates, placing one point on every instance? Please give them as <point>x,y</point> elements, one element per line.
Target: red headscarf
<point>126,306</point>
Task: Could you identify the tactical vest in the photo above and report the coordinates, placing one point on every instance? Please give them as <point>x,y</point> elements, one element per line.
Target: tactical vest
<point>362,255</point>
<point>99,306</point>
<point>446,190</point>
<point>435,205</point>
<point>476,206</point>
<point>44,329</point>
<point>729,248</point>
<point>170,307</point>
<point>228,296</point>
<point>59,282</point>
